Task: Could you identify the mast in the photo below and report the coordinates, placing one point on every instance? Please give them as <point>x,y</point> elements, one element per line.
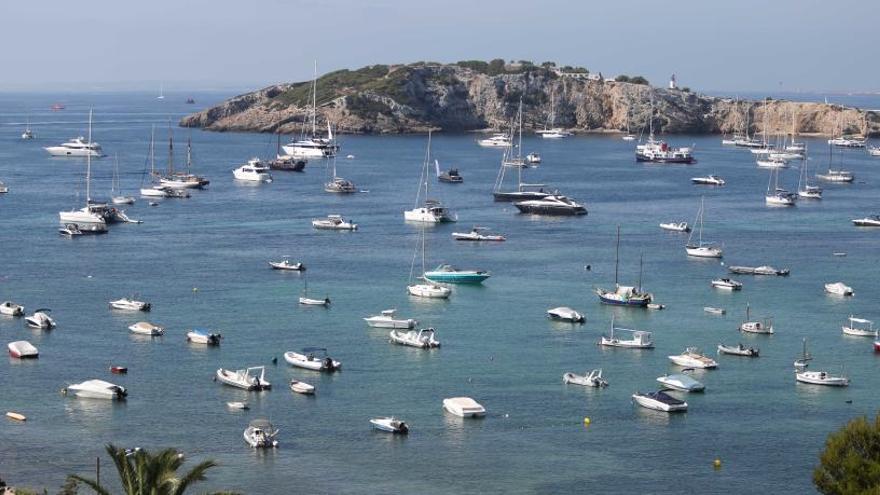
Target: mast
<point>617,255</point>
<point>315,101</point>
<point>152,150</point>
<point>170,150</point>
<point>89,164</point>
<point>188,154</point>
<point>519,162</point>
<point>701,221</point>
<point>641,259</point>
<point>423,178</point>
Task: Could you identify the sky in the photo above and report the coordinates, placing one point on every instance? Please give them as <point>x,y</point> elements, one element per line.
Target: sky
<point>746,45</point>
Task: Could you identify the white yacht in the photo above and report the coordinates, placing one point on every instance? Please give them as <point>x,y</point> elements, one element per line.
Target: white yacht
<point>424,338</point>
<point>805,190</point>
<point>592,378</point>
<point>130,304</point>
<point>313,146</point>
<point>836,175</point>
<point>771,162</point>
<point>336,184</point>
<point>553,205</point>
<point>387,320</point>
<point>659,401</point>
<point>700,249</point>
<point>77,147</point>
<point>464,407</point>
<point>253,171</point>
<point>682,381</point>
<point>839,289</point>
<point>96,389</point>
<point>710,180</point>
<point>860,327</point>
<point>334,222</point>
<point>246,379</point>
<point>638,339</point>
<point>816,377</point>
<point>40,319</point>
<point>423,287</point>
<point>726,284</point>
<point>260,434</point>
<point>427,210</point>
<point>693,358</point>
<point>869,221</point>
<point>499,140</point>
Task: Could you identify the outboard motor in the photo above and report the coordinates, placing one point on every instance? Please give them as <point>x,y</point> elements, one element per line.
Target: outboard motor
<point>328,363</point>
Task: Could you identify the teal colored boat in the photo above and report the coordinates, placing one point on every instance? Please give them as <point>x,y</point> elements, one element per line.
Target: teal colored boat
<point>448,274</point>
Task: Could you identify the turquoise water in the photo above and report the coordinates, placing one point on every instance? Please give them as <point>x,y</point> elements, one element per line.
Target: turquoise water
<point>498,347</point>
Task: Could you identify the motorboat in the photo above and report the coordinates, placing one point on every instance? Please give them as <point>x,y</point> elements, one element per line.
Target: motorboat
<point>839,289</point>
<point>123,200</point>
<point>711,180</point>
<point>118,370</point>
<point>146,328</point>
<point>870,221</point>
<point>821,378</point>
<point>96,389</point>
<point>556,205</point>
<point>478,234</point>
<point>682,381</point>
<point>9,308</point>
<point>877,346</point>
<point>555,133</point>
<point>771,163</point>
<point>714,311</point>
<point>246,379</point>
<point>628,137</point>
<point>498,140</point>
<point>339,185</point>
<point>288,163</point>
<point>285,264</point>
<point>312,147</point>
<point>451,176</point>
<point>40,319</point>
<point>638,339</point>
<point>302,387</point>
<point>448,274</point>
<point>727,284</point>
<point>860,327</point>
<point>309,301</point>
<point>759,270</point>
<point>203,336</point>
<point>738,350</point>
<point>755,326</point>
<point>312,358</point>
<point>658,151</point>
<point>425,209</point>
<point>155,192</point>
<point>390,425</point>
<point>656,306</point>
<point>260,434</point>
<point>836,175</point>
<point>693,358</point>
<point>238,405</point>
<point>70,230</point>
<point>253,171</point>
<point>874,150</point>
<point>464,407</point>
<point>3,188</point>
<point>429,290</point>
<point>592,378</point>
<point>533,158</point>
<point>76,147</point>
<point>386,320</point>
<point>22,349</point>
<point>676,226</point>
<point>659,401</point>
<point>130,304</point>
<point>334,222</point>
<point>848,142</point>
<point>423,338</point>
<point>701,249</point>
<point>564,313</point>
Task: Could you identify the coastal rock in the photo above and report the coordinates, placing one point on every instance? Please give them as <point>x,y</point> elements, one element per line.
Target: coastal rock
<point>412,98</point>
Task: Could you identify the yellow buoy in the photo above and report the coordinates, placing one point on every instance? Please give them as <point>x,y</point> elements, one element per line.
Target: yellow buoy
<point>717,463</point>
<point>16,416</point>
<point>586,421</point>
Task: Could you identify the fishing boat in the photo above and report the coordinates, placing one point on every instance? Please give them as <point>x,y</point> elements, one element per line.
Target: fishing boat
<point>638,339</point>
<point>816,377</point>
<point>260,434</point>
<point>860,327</point>
<point>423,338</point>
<point>497,140</point>
<point>682,381</point>
<point>427,210</point>
<point>624,295</point>
<point>564,313</point>
<point>390,425</point>
<point>246,379</point>
<point>700,249</point>
<point>253,171</point>
<point>659,151</point>
<point>839,289</point>
<point>96,389</point>
<point>426,288</point>
<point>676,226</point>
<point>512,159</point>
<point>659,401</point>
<point>130,304</point>
<point>203,336</point>
<point>464,407</point>
<point>726,284</point>
<point>711,180</point>
<point>302,387</point>
<point>40,319</point>
<point>553,205</point>
<point>869,221</point>
<point>754,326</point>
<point>714,311</point>
<point>478,234</point>
<point>592,378</point>
<point>448,274</point>
<point>450,176</point>
<point>285,264</point>
<point>738,350</point>
<point>334,222</point>
<point>85,218</point>
<point>386,320</point>
<point>312,358</point>
<point>22,349</point>
<point>777,196</point>
<point>9,308</point>
<point>693,358</point>
<point>146,328</point>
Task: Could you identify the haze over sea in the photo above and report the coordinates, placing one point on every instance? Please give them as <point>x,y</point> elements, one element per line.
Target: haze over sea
<point>498,346</point>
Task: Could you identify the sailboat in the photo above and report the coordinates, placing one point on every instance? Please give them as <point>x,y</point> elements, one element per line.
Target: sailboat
<point>427,210</point>
<point>161,92</point>
<point>551,132</point>
<point>152,191</point>
<point>700,249</point>
<point>86,219</point>
<point>629,135</point>
<point>523,191</point>
<point>623,295</point>
<point>307,301</point>
<point>181,180</point>
<point>312,146</point>
<point>337,184</point>
<point>835,175</point>
<point>805,190</point>
<point>426,288</point>
<point>115,193</point>
<point>778,196</point>
<point>28,133</point>
<point>286,162</point>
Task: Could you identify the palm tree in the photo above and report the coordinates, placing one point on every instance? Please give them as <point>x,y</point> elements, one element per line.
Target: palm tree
<point>143,473</point>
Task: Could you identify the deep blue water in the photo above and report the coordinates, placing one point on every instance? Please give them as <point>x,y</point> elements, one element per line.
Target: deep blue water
<point>498,347</point>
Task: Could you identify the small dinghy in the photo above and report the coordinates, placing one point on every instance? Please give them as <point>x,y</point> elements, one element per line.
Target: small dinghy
<point>726,284</point>
<point>682,381</point>
<point>714,311</point>
<point>386,320</point>
<point>302,387</point>
<point>146,328</point>
<point>659,401</point>
<point>656,306</point>
<point>464,407</point>
<point>70,230</point>
<point>590,379</point>
<point>96,389</point>
<point>40,319</point>
<point>390,425</point>
<point>312,358</point>
<point>241,406</point>
<point>202,336</point>
<point>118,370</point>
<point>738,350</point>
<point>260,434</point>
<point>306,301</point>
<point>423,339</point>
<point>675,226</point>
<point>129,304</point>
<point>22,349</point>
<point>9,308</point>
<point>839,289</point>
<point>533,158</point>
<point>16,416</point>
<point>564,313</point>
<point>287,265</point>
<point>245,379</point>
<point>478,234</point>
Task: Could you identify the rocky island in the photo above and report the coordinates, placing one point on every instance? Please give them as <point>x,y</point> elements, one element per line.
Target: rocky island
<point>476,95</point>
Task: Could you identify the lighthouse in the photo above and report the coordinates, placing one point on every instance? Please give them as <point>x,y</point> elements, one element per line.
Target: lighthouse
<point>672,84</point>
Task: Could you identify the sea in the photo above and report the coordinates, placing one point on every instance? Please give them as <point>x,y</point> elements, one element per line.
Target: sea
<point>203,263</point>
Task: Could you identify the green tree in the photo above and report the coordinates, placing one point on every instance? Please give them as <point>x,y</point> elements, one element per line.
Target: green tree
<point>850,463</point>
<point>143,473</point>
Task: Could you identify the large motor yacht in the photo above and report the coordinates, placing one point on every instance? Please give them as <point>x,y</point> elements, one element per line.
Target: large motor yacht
<point>76,147</point>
